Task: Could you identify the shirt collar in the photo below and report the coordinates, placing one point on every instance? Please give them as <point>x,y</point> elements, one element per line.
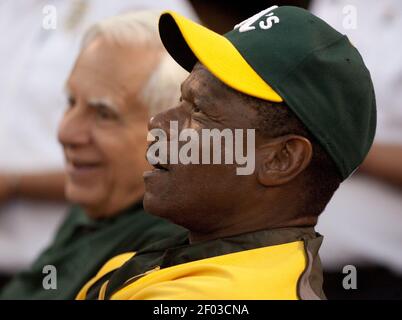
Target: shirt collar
<point>150,257</point>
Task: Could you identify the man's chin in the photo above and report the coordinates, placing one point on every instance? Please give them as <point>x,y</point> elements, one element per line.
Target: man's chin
<point>82,196</point>
<point>150,203</point>
<point>154,205</point>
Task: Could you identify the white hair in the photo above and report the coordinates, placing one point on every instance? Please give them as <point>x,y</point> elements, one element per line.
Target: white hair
<point>140,28</point>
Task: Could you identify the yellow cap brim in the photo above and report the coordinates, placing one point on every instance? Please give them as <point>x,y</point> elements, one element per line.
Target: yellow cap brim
<point>187,42</point>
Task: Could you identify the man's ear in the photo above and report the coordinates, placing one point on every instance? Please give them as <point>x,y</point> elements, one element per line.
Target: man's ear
<point>281,159</point>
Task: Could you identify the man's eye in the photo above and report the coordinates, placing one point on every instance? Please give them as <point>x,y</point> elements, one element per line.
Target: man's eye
<point>196,109</point>
<point>70,102</point>
<point>103,113</point>
<point>193,107</point>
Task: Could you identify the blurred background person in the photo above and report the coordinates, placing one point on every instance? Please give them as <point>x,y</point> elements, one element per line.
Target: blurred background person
<point>35,61</point>
<point>362,224</point>
<point>122,76</point>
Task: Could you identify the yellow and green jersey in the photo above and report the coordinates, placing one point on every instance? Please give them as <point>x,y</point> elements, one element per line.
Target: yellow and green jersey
<point>268,264</point>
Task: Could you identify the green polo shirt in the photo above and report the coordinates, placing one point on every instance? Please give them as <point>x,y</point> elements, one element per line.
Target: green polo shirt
<point>82,245</point>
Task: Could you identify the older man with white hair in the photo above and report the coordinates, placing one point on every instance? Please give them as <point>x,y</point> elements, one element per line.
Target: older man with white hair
<point>40,40</point>
<point>121,78</point>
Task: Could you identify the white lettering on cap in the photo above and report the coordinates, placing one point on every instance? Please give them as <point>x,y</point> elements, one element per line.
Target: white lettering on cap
<point>247,25</point>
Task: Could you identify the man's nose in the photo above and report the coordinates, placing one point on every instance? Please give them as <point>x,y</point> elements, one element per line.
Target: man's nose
<point>163,120</point>
<point>74,128</point>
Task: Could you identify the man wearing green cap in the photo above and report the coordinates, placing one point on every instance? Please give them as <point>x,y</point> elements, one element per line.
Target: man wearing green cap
<point>306,92</point>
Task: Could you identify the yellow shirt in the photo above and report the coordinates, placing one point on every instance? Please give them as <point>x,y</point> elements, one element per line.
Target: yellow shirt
<point>272,272</point>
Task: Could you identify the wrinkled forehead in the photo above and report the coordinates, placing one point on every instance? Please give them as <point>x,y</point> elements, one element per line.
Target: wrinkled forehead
<point>203,84</point>
<point>218,99</point>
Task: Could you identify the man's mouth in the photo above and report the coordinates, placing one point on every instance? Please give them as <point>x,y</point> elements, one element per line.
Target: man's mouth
<point>81,166</point>
<point>155,162</point>
<point>158,166</point>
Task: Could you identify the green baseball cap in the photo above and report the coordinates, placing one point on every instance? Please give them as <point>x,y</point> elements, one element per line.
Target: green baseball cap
<point>288,54</point>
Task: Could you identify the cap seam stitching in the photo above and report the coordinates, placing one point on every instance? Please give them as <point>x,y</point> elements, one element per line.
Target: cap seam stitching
<point>334,150</point>
<point>309,54</point>
<point>323,139</point>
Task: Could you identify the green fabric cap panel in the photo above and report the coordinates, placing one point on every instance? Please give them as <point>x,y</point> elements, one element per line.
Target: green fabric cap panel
<point>321,77</point>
